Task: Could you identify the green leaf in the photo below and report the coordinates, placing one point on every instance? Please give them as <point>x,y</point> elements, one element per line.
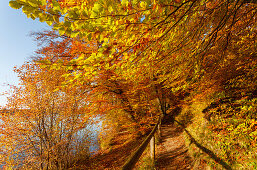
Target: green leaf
<point>45,62</point>
<point>135,2</point>
<point>97,8</point>
<point>43,2</point>
<point>67,23</point>
<point>61,31</point>
<point>27,9</point>
<point>89,36</point>
<point>49,22</point>
<point>56,18</point>
<point>68,31</point>
<point>124,2</point>
<point>32,16</point>
<point>110,9</point>
<point>56,6</point>
<point>15,5</point>
<point>93,14</point>
<point>56,26</point>
<point>143,4</point>
<point>37,14</point>
<point>74,34</point>
<point>42,17</point>
<point>33,3</point>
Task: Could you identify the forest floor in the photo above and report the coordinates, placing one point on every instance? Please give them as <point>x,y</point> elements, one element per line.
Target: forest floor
<point>171,150</point>
<point>122,145</point>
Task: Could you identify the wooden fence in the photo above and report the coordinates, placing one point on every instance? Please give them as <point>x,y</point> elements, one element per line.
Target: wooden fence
<point>130,163</point>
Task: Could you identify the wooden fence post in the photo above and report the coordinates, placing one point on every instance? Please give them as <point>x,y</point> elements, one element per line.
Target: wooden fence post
<point>130,163</point>
<point>152,148</point>
<point>159,131</point>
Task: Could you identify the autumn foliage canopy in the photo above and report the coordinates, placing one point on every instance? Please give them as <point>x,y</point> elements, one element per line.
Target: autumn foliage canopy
<point>130,61</point>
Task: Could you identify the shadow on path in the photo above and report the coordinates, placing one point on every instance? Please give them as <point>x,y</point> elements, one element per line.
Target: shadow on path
<point>171,151</point>
<point>206,150</point>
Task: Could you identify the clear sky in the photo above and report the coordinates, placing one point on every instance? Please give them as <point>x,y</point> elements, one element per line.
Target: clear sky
<point>16,46</point>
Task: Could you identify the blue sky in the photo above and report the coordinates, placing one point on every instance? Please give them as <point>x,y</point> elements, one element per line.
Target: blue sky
<point>16,46</point>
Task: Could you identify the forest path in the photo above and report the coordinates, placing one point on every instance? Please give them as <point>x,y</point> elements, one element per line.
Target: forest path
<point>171,151</point>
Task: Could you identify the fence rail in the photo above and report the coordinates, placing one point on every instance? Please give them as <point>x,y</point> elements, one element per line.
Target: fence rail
<point>130,163</point>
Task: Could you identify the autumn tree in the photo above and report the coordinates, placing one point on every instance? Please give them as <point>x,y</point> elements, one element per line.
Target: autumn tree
<point>163,47</point>
<point>45,128</point>
<point>111,96</point>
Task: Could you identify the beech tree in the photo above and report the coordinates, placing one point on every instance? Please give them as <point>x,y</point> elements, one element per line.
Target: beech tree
<point>172,35</point>
<point>160,46</point>
<point>110,95</point>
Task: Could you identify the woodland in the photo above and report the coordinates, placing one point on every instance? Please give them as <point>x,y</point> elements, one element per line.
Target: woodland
<point>125,63</point>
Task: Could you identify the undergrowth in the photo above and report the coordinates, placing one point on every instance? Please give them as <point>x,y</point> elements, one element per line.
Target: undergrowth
<point>227,127</point>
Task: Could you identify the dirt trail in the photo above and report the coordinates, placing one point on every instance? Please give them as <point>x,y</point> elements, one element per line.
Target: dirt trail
<point>171,151</point>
